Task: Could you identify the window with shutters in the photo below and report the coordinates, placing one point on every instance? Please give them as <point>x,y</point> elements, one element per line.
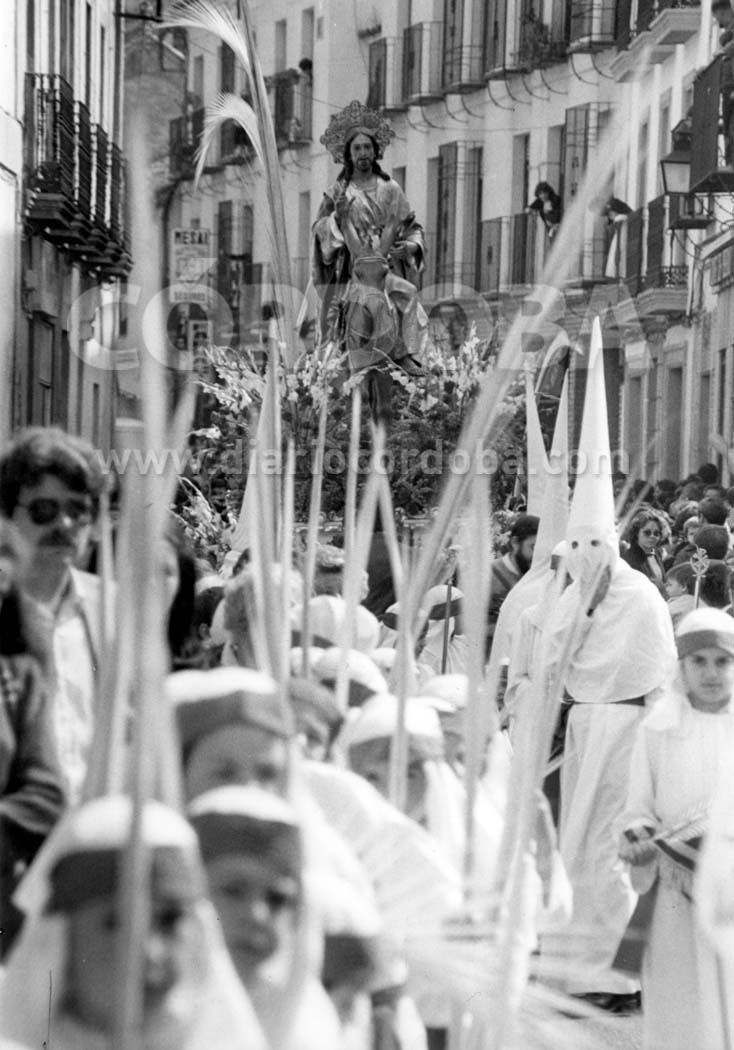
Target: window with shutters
<point>226,70</point>
<point>490,256</point>
<point>448,163</point>
<point>422,62</point>
<point>634,416</point>
<point>593,25</point>
<point>704,417</point>
<point>281,34</point>
<point>652,419</point>
<point>635,245</point>
<point>673,417</point>
<point>291,102</point>
<point>495,37</point>
<point>386,74</point>
<point>463,31</point>
<point>712,141</point>
<point>67,28</point>
<point>642,151</point>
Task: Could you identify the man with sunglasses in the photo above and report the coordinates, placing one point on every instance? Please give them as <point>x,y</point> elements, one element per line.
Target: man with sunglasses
<point>50,484</point>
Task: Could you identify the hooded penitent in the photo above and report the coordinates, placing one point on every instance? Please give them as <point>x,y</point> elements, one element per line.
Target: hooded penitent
<point>552,528</point>
<point>628,648</point>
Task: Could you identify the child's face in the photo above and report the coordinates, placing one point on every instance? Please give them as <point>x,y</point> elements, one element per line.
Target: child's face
<point>708,675</point>
<point>691,530</point>
<point>674,588</point>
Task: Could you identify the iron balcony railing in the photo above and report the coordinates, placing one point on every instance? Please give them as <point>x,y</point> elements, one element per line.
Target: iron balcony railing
<point>50,135</point>
<point>83,160</point>
<point>650,257</point>
<point>648,11</point>
<point>74,178</point>
<point>593,25</point>
<point>101,170</point>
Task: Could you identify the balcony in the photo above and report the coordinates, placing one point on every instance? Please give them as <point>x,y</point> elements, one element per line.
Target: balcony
<point>234,144</point>
<point>422,63</point>
<point>536,49</point>
<point>50,155</point>
<point>463,69</point>
<point>593,25</point>
<point>68,173</point>
<point>386,75</point>
<point>656,276</point>
<point>669,22</point>
<point>291,101</point>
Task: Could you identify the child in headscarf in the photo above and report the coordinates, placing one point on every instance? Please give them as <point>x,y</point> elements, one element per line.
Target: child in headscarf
<point>61,983</point>
<point>252,848</point>
<point>683,749</point>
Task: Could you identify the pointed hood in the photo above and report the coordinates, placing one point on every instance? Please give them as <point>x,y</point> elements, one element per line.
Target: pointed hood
<point>592,535</point>
<point>593,497</point>
<point>537,463</point>
<point>552,529</point>
<point>554,508</point>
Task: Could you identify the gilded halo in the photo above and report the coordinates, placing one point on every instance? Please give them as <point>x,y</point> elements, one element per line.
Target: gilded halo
<point>352,119</point>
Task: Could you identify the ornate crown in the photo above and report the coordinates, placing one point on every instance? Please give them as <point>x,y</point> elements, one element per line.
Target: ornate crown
<point>351,120</point>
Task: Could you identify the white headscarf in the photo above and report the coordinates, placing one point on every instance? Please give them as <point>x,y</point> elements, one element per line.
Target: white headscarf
<point>702,628</point>
<point>212,1010</point>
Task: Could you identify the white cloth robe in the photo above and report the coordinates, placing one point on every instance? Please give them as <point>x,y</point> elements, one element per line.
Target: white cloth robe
<point>674,775</point>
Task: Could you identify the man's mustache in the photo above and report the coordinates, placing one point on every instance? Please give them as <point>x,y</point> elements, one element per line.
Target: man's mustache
<point>56,539</point>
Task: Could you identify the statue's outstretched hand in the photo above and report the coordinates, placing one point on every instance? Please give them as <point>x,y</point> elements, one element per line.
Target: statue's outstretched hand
<point>403,250</point>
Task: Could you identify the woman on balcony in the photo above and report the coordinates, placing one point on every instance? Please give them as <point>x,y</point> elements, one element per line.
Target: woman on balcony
<point>547,205</point>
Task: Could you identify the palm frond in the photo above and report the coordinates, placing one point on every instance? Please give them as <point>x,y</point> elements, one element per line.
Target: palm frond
<point>212,18</point>
<point>222,110</point>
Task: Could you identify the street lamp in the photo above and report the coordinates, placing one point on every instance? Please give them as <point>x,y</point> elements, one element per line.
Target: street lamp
<point>675,169</point>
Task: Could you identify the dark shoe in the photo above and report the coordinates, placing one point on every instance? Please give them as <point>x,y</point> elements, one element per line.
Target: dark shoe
<point>622,1005</point>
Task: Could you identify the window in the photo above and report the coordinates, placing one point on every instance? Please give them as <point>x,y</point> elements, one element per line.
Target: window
<point>704,417</point>
<point>226,70</point>
<point>652,419</point>
<point>41,372</point>
<point>88,55</point>
<point>664,142</point>
<point>520,173</point>
<point>67,29</point>
<point>673,417</point>
<point>301,268</point>
<point>102,74</point>
<point>307,33</point>
<point>52,36</point>
<point>634,420</point>
<point>197,85</point>
<point>280,45</point>
<point>96,415</point>
<point>398,175</point>
<point>30,36</point>
<point>642,148</point>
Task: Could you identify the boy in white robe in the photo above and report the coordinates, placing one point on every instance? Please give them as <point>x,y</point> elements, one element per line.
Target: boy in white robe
<point>684,748</point>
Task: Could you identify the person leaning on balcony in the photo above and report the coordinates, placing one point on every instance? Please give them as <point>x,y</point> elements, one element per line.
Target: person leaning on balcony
<point>547,204</point>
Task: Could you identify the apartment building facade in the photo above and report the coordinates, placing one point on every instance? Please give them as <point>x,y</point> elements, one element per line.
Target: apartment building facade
<point>489,98</point>
<point>62,207</point>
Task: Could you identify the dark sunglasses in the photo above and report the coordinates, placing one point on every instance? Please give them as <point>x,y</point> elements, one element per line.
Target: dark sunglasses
<point>43,511</point>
